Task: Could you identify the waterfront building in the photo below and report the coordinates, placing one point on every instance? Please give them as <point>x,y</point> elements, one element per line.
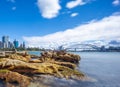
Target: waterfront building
<point>23,44</point>
<point>0,44</point>
<point>5,41</point>
<point>10,45</point>
<point>16,43</point>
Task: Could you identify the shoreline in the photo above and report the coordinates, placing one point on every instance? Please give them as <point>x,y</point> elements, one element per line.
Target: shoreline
<point>59,64</point>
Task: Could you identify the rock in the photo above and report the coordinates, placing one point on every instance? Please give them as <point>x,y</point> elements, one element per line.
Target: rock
<point>16,65</point>
<point>56,70</point>
<point>61,56</point>
<point>47,54</point>
<point>34,56</point>
<point>67,64</point>
<point>33,68</point>
<point>22,57</point>
<point>35,61</point>
<point>11,77</point>
<point>2,54</point>
<point>55,63</point>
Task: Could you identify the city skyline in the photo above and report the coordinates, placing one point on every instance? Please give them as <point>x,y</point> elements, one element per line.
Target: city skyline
<point>5,42</point>
<point>39,22</point>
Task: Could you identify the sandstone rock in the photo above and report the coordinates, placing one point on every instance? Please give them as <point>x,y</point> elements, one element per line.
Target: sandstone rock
<point>9,77</point>
<point>56,63</point>
<point>34,56</point>
<point>16,65</point>
<point>67,64</point>
<point>61,56</point>
<point>41,68</point>
<point>35,61</point>
<point>22,57</point>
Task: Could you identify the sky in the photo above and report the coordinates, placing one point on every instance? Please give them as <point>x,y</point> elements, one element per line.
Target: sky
<point>43,22</point>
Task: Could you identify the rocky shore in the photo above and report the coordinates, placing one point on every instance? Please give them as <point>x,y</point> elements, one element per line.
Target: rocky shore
<point>19,69</point>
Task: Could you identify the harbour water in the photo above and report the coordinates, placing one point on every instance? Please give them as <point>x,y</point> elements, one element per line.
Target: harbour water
<point>104,67</point>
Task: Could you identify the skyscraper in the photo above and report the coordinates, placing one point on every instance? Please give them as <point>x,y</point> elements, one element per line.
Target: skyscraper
<point>5,41</point>
<point>10,45</point>
<point>0,44</point>
<point>16,43</point>
<point>23,44</point>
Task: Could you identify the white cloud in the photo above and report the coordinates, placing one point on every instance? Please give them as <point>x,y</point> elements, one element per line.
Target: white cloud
<point>49,8</point>
<point>13,1</point>
<point>107,28</point>
<point>116,13</point>
<point>13,8</point>
<point>116,2</point>
<point>74,14</point>
<point>75,3</point>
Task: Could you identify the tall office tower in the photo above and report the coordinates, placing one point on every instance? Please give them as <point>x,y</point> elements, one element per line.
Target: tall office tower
<point>5,41</point>
<point>0,44</point>
<point>10,45</point>
<point>23,44</point>
<point>16,43</point>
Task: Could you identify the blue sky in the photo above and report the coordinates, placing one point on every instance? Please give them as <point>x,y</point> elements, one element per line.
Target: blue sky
<point>38,19</point>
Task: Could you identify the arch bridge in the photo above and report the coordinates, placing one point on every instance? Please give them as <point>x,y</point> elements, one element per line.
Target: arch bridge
<point>82,47</point>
